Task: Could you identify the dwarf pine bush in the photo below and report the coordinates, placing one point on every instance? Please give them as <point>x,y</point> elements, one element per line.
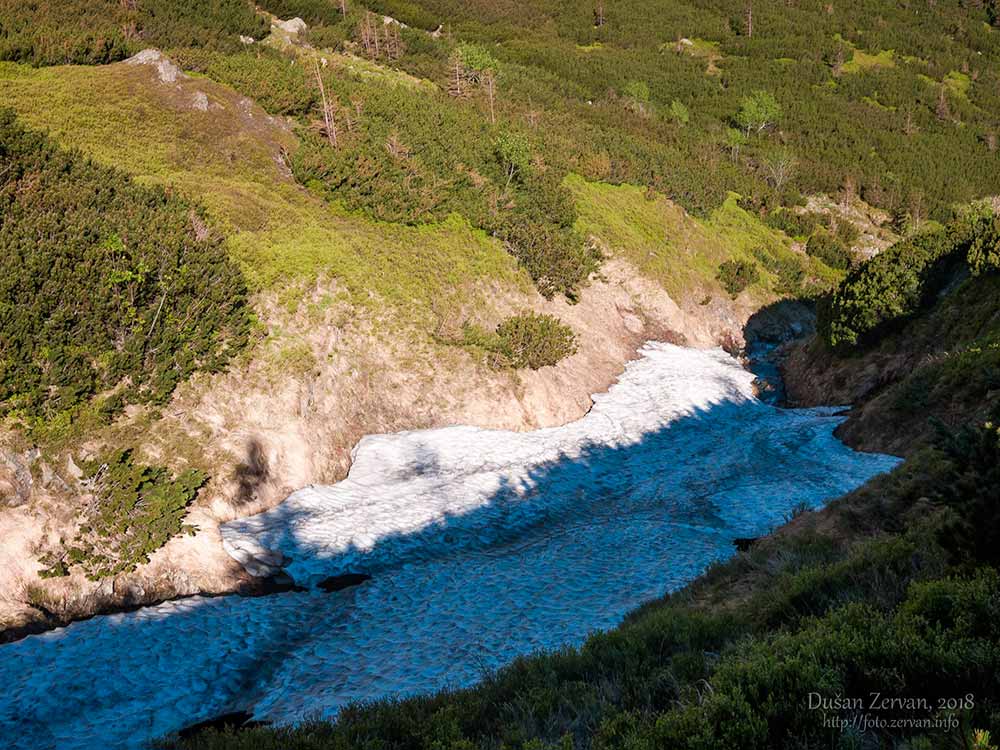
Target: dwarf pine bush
<point>105,286</point>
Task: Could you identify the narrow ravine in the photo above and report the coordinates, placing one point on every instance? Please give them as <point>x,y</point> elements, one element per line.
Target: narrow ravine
<point>482,546</point>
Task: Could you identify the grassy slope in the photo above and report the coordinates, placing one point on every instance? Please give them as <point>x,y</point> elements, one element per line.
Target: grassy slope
<point>677,250</point>
<point>279,232</point>
<point>282,234</point>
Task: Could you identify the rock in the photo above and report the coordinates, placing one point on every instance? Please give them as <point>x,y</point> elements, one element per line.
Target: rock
<point>247,39</point>
<point>633,323</point>
<point>16,482</point>
<point>74,471</point>
<point>279,583</point>
<point>201,101</point>
<point>344,581</point>
<point>293,25</point>
<point>743,544</point>
<point>166,70</point>
<point>255,559</point>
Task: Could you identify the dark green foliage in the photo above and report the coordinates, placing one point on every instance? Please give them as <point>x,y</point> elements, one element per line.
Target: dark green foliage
<point>984,251</point>
<point>906,278</point>
<point>280,85</point>
<point>406,11</point>
<point>414,156</point>
<point>829,248</point>
<point>971,489</point>
<point>55,32</point>
<point>215,24</point>
<point>736,275</point>
<point>760,691</point>
<point>313,12</point>
<point>788,270</point>
<point>794,224</point>
<point>105,286</point>
<point>137,510</point>
<point>88,32</point>
<point>846,233</point>
<point>530,340</point>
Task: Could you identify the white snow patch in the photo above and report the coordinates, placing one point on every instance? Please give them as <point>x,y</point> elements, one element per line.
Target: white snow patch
<point>484,545</point>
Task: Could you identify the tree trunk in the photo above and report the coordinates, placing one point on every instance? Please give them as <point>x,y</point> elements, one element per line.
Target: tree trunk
<point>328,117</point>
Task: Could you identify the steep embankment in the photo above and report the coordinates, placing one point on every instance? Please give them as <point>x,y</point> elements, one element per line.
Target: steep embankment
<point>357,321</point>
<point>936,360</point>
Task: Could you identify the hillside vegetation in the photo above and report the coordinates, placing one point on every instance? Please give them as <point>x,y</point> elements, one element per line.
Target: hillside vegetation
<point>107,287</point>
<point>414,175</point>
<point>912,337</point>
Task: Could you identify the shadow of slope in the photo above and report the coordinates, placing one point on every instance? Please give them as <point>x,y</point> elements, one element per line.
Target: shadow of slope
<point>697,468</point>
<point>731,469</point>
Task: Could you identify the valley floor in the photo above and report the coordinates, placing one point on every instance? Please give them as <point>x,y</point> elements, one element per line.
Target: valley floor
<point>483,546</point>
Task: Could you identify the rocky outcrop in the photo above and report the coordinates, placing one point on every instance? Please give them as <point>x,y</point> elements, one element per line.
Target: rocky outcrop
<point>293,26</point>
<point>166,71</point>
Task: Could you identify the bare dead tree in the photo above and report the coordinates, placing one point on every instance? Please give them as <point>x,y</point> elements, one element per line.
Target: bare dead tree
<point>779,167</point>
<point>489,83</point>
<point>456,77</point>
<point>393,42</point>
<point>848,189</point>
<point>599,14</point>
<point>343,7</point>
<point>328,113</point>
<point>749,18</point>
<point>943,111</point>
<point>838,62</point>
<point>368,36</point>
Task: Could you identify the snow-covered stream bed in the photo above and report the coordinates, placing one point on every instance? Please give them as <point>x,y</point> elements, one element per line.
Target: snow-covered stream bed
<point>483,545</point>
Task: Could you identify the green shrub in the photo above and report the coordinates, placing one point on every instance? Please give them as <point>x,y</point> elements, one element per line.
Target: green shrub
<point>984,250</point>
<point>758,112</point>
<point>846,233</point>
<point>788,270</point>
<point>415,157</point>
<point>530,340</point>
<point>887,289</point>
<point>829,249</point>
<point>280,85</point>
<point>216,24</point>
<point>105,286</point>
<point>313,12</point>
<point>792,223</point>
<point>94,32</point>
<point>679,112</point>
<point>137,510</point>
<point>410,13</point>
<point>736,275</point>
<point>327,37</point>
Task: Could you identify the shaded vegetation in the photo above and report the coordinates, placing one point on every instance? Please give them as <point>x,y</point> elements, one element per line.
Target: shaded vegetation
<point>880,295</point>
<point>736,275</point>
<point>106,287</point>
